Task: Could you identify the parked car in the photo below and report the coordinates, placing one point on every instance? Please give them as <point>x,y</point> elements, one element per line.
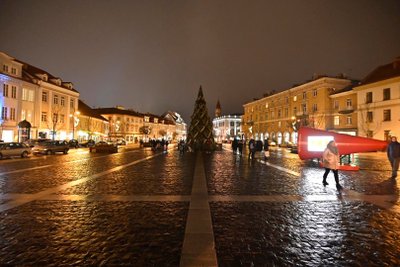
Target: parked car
<point>73,143</point>
<point>103,147</point>
<point>14,149</point>
<point>51,147</point>
<point>88,143</point>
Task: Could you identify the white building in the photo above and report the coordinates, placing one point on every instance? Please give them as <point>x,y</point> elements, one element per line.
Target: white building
<point>37,97</point>
<point>227,127</point>
<point>378,98</point>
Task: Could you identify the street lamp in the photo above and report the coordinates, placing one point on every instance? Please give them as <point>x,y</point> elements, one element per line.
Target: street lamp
<point>75,122</point>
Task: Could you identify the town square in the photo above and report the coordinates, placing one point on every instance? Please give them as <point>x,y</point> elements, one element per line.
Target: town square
<point>199,133</point>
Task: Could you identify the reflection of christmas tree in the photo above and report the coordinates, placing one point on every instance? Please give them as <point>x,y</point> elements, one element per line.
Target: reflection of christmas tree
<point>200,134</point>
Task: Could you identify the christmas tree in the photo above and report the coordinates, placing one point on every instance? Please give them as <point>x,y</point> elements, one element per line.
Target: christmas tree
<point>200,136</point>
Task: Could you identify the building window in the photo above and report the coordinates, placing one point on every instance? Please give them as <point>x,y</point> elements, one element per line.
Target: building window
<point>386,115</point>
<point>5,90</point>
<point>55,118</point>
<point>386,94</point>
<point>55,100</point>
<point>304,95</point>
<point>44,116</point>
<point>368,98</point>
<point>62,101</point>
<point>266,105</point>
<point>349,120</point>
<point>5,68</point>
<point>370,116</point>
<point>12,114</point>
<point>72,103</point>
<point>315,107</point>
<point>4,113</point>
<point>315,92</point>
<point>370,134</point>
<point>336,104</point>
<point>287,100</point>
<point>14,71</point>
<point>27,95</point>
<point>349,103</point>
<point>279,113</point>
<point>295,98</point>
<point>286,112</point>
<point>294,111</point>
<point>13,92</point>
<point>336,120</point>
<point>62,118</point>
<point>304,108</point>
<point>44,96</point>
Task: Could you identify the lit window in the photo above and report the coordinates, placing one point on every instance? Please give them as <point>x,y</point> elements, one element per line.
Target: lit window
<point>5,68</point>
<point>55,100</point>
<point>62,102</point>
<point>315,92</point>
<point>315,107</point>
<point>27,95</point>
<point>4,113</point>
<point>266,105</point>
<point>14,71</point>
<point>72,104</point>
<point>295,98</point>
<point>336,120</point>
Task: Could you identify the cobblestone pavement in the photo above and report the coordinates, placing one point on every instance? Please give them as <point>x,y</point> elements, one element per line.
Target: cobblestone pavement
<point>131,209</point>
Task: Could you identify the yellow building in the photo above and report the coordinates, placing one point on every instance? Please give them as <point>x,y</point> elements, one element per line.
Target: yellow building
<point>279,115</point>
<point>344,115</point>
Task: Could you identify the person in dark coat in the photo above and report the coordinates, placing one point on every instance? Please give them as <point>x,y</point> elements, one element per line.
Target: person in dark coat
<point>240,146</point>
<point>234,145</point>
<point>393,154</point>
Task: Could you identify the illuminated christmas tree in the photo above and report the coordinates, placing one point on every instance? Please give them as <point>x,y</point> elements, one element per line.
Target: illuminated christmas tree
<point>200,136</point>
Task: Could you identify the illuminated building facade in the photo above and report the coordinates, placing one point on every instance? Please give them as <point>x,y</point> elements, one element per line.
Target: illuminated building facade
<point>37,97</point>
<point>277,116</point>
<point>378,98</point>
<point>226,127</point>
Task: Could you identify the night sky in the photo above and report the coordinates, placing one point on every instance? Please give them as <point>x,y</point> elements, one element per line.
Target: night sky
<point>153,56</point>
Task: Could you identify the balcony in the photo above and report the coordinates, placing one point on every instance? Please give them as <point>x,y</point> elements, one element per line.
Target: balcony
<point>346,110</point>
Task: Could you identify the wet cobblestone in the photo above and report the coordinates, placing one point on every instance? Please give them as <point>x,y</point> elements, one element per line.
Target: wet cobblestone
<point>168,174</point>
<point>305,234</point>
<point>65,233</point>
<point>33,181</point>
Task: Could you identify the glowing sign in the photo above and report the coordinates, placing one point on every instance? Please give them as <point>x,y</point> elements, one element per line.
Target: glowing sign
<point>318,143</point>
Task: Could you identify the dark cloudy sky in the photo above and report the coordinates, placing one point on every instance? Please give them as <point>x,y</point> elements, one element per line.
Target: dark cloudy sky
<point>152,56</point>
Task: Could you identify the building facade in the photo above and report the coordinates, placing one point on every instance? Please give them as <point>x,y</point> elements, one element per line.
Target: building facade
<point>378,98</point>
<point>344,111</point>
<point>227,127</point>
<point>278,116</point>
<point>34,96</point>
<point>87,124</point>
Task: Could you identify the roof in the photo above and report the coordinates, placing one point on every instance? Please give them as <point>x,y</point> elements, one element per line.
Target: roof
<point>383,72</point>
<point>88,111</point>
<point>33,74</point>
<point>118,111</point>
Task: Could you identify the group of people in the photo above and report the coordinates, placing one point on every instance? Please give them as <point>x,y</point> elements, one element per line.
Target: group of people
<point>254,146</point>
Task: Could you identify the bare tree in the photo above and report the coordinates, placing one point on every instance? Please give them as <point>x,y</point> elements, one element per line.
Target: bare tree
<point>368,126</point>
<point>56,120</point>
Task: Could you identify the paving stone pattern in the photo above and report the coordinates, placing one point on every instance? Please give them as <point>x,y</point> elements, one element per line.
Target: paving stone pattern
<point>79,233</point>
<point>305,234</point>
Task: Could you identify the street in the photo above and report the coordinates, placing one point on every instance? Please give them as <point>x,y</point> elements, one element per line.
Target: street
<point>141,208</point>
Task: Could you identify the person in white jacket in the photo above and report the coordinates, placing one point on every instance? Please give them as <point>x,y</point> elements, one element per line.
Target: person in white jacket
<point>330,160</point>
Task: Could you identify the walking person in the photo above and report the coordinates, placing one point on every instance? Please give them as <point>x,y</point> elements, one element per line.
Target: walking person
<point>252,148</point>
<point>240,146</point>
<point>330,160</point>
<point>393,154</point>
